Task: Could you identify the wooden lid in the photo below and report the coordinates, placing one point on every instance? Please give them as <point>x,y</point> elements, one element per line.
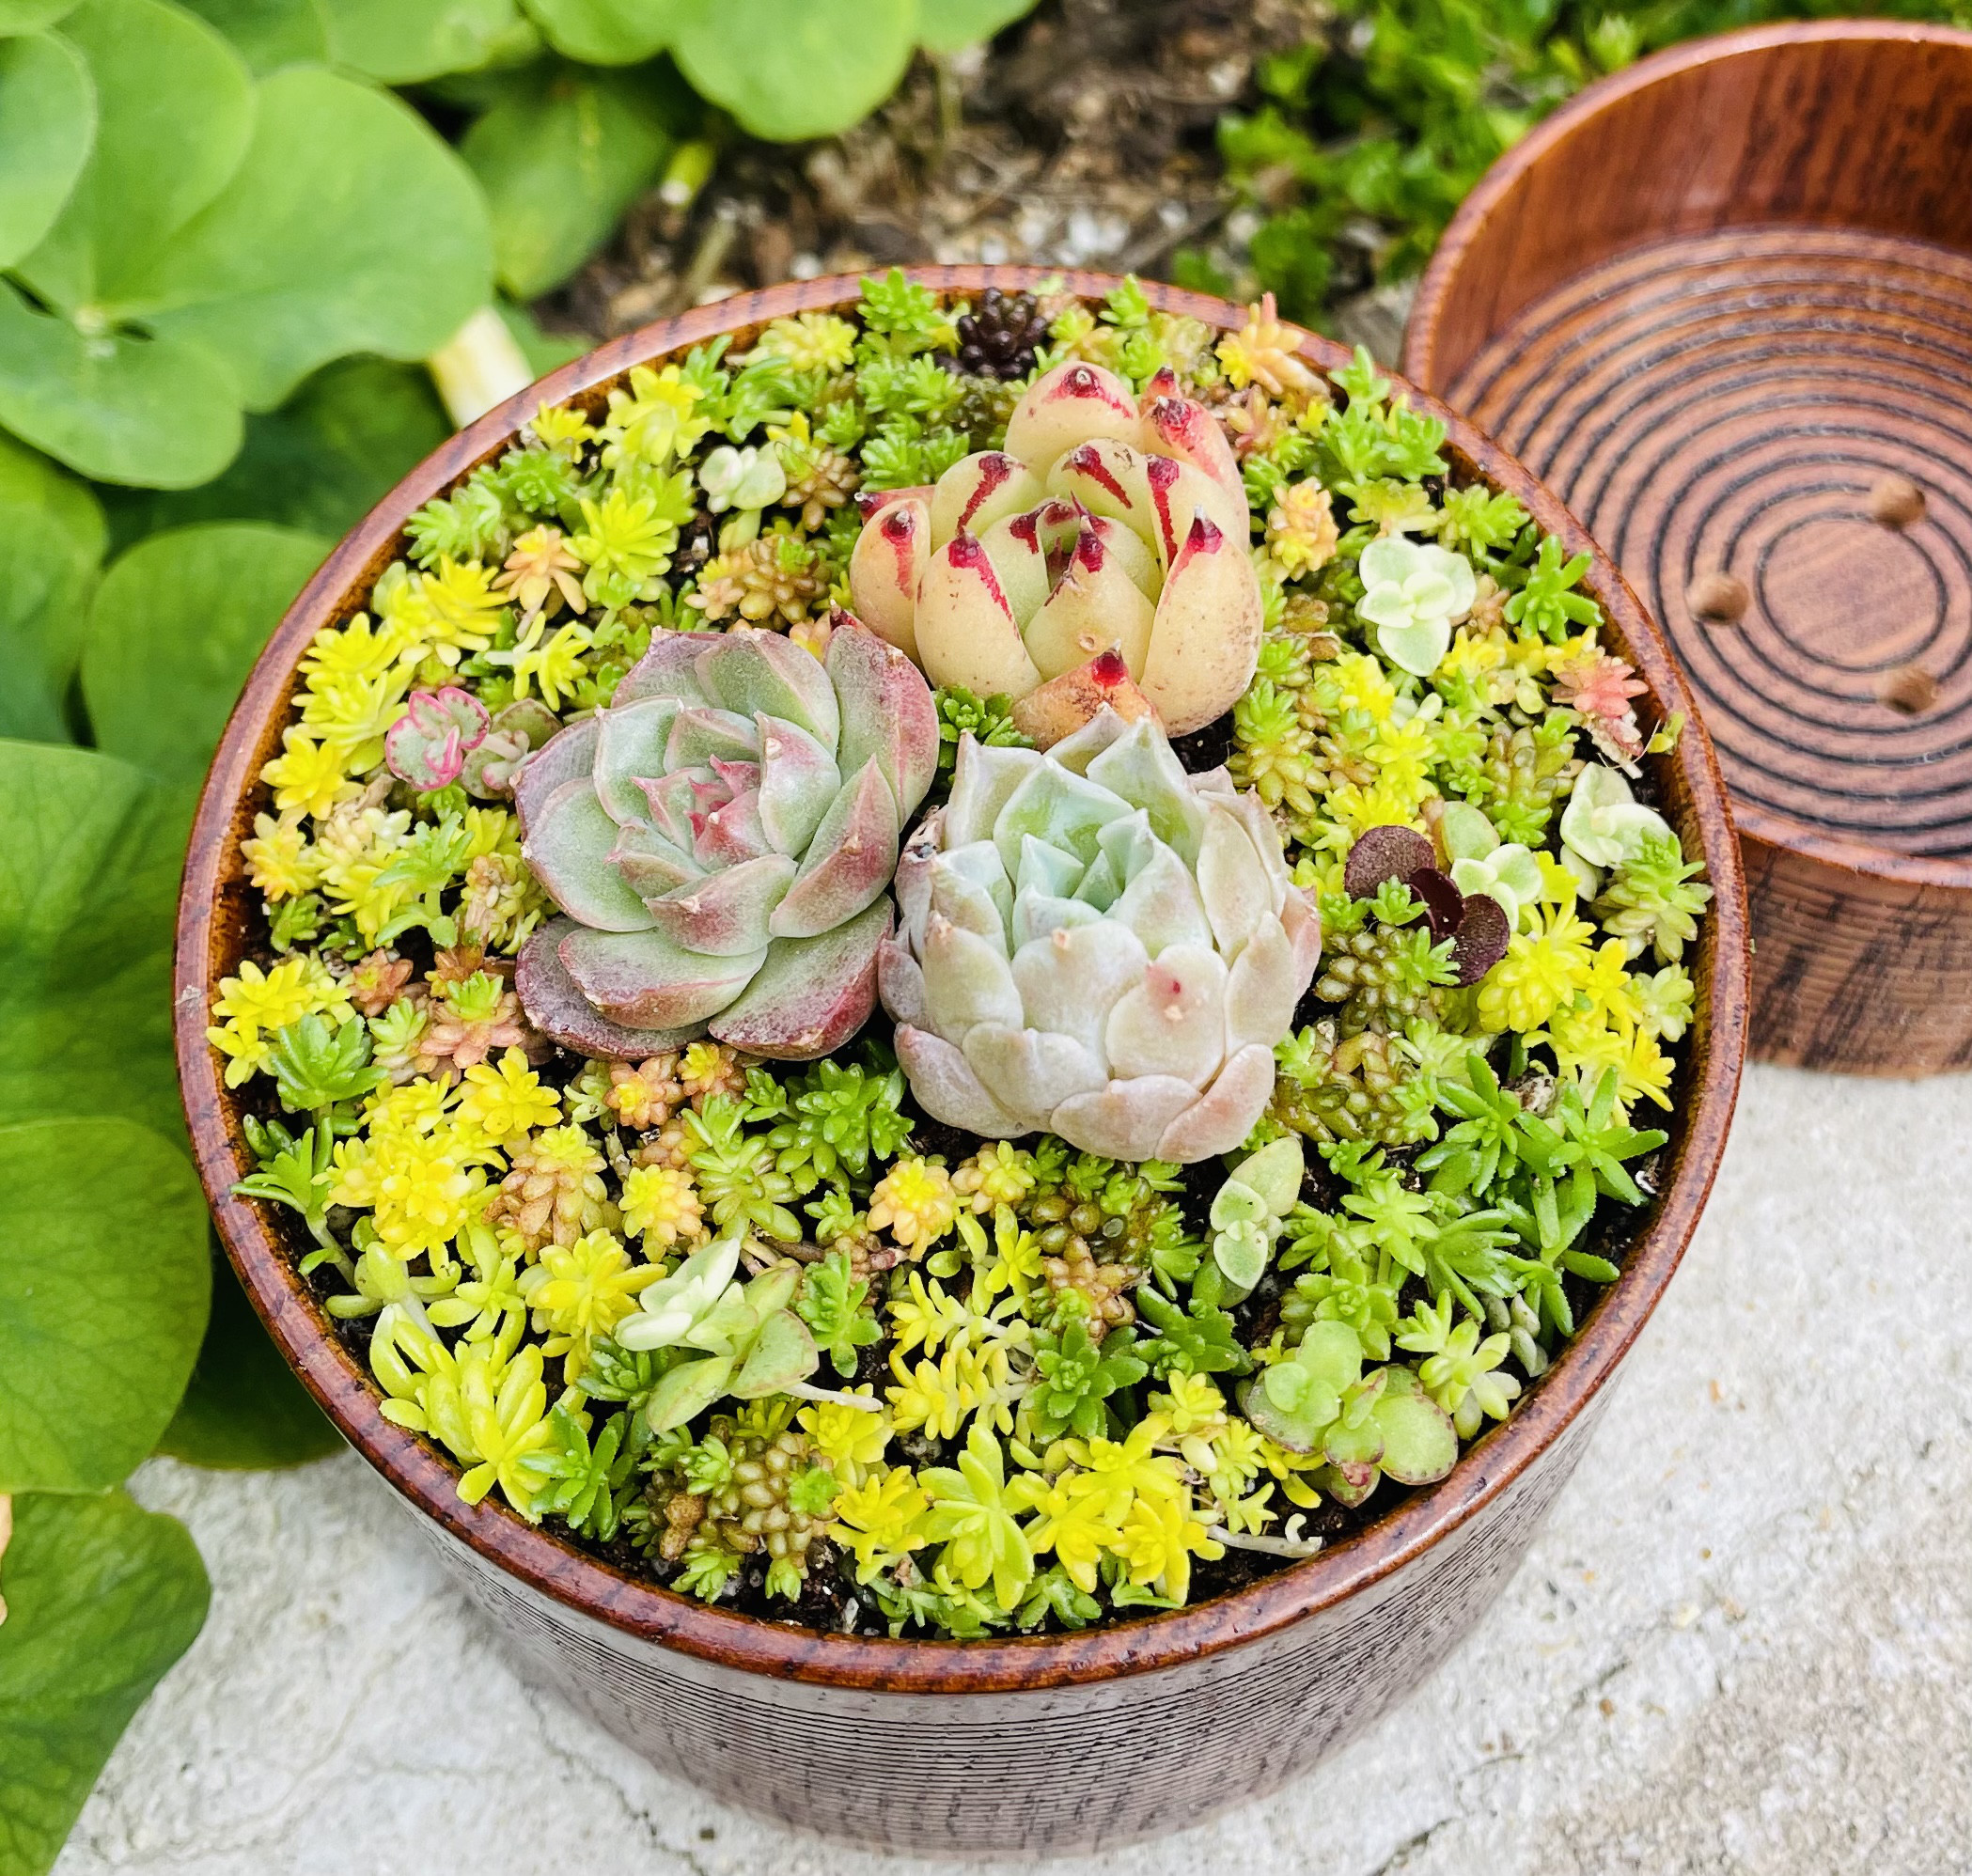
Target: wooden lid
<point>1721,305</point>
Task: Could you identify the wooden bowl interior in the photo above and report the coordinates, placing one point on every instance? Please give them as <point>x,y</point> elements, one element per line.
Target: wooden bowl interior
<point>217,921</point>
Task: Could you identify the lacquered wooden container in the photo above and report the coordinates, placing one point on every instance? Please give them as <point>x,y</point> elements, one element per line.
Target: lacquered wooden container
<point>1023,1747</point>
<point>1721,304</point>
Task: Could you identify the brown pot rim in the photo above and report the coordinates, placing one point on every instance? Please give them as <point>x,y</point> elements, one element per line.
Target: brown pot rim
<point>1769,825</point>
<point>651,1614</point>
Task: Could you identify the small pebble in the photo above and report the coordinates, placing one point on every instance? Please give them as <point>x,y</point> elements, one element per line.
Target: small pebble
<point>1910,691</point>
<point>1718,599</point>
<point>1897,502</point>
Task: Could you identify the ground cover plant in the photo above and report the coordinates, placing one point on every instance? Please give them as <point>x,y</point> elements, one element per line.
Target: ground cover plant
<point>1322,1102</point>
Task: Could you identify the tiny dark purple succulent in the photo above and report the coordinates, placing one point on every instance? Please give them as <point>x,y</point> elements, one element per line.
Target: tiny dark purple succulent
<point>1476,923</point>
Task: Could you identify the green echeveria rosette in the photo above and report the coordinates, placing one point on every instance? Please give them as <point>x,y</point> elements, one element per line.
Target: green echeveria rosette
<point>720,841</point>
<point>1098,945</point>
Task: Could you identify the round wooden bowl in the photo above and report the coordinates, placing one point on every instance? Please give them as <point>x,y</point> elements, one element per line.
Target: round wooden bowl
<point>1721,304</point>
<point>1044,1744</point>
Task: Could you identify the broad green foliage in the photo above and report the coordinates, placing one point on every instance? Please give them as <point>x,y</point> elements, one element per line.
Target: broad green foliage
<point>268,34</point>
<point>560,160</point>
<point>243,1408</point>
<point>49,108</point>
<point>177,625</point>
<point>400,41</point>
<point>603,31</point>
<point>89,853</point>
<point>790,69</point>
<point>319,463</point>
<point>226,237</point>
<point>30,16</point>
<point>50,540</point>
<point>104,1287</point>
<point>950,26</point>
<point>101,1596</point>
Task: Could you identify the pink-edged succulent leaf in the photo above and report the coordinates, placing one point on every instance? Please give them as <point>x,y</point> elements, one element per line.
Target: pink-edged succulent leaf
<point>900,981</point>
<point>630,749</point>
<point>1227,1111</point>
<point>1482,937</point>
<point>872,502</point>
<point>1126,1119</point>
<point>1108,478</point>
<point>1380,854</point>
<point>562,1013</point>
<point>812,994</point>
<point>427,746</point>
<point>798,780</point>
<point>944,1083</point>
<point>644,980</point>
<point>966,630</point>
<point>1179,494</point>
<point>566,757</point>
<point>730,833</point>
<point>652,865</point>
<point>850,861</point>
<point>1094,607</point>
<point>979,489</point>
<point>888,714</point>
<point>1173,1022</point>
<point>1183,429</point>
<point>1055,710</point>
<point>1069,406</point>
<point>700,732</point>
<point>885,570</point>
<point>1263,987</point>
<point>1205,641</point>
<point>568,845</point>
<point>757,674</point>
<point>1045,1068</point>
<point>669,669</point>
<point>522,727</point>
<point>726,914</point>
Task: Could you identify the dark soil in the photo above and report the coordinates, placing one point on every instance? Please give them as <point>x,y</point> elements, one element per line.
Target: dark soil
<point>1083,137</point>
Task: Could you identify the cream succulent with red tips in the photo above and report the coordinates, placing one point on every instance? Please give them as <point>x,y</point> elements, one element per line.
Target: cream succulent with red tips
<point>1107,522</point>
<point>721,841</point>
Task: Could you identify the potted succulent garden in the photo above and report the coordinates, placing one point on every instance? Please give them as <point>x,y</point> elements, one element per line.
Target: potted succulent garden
<point>917,994</point>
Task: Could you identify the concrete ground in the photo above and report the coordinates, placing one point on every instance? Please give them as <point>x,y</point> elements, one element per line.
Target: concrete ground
<point>1743,1643</point>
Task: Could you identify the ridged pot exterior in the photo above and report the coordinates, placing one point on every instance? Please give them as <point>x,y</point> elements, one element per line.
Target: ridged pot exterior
<point>1048,1743</point>
<point>1044,1773</point>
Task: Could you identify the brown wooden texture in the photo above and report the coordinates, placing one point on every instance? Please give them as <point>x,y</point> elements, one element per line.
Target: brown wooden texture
<point>1043,1743</point>
<point>1717,303</point>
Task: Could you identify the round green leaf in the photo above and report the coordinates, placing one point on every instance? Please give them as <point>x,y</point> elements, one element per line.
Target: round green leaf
<point>243,1408</point>
<point>603,31</point>
<point>104,1280</point>
<point>31,16</point>
<point>1419,1446</point>
<point>401,41</point>
<point>89,857</point>
<point>559,165</point>
<point>102,1597</point>
<point>51,539</point>
<point>348,227</point>
<point>320,462</point>
<point>48,105</point>
<point>173,107</point>
<point>268,34</point>
<point>29,480</point>
<point>176,627</point>
<point>950,26</point>
<point>120,408</point>
<point>794,68</point>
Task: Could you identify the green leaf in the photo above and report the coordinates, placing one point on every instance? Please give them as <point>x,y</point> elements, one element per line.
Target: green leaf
<point>177,625</point>
<point>104,1281</point>
<point>101,1596</point>
<point>245,1409</point>
<point>30,16</point>
<point>89,855</point>
<point>950,26</point>
<point>320,462</point>
<point>350,227</point>
<point>175,108</point>
<point>560,165</point>
<point>794,68</point>
<point>48,106</point>
<point>400,41</point>
<point>268,34</point>
<point>51,539</point>
<point>118,407</point>
<point>603,32</point>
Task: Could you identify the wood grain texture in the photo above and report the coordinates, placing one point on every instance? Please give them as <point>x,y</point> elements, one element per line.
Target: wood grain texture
<point>1044,1744</point>
<point>1715,303</point>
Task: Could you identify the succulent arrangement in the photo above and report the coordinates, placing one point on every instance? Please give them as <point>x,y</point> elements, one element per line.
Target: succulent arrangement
<point>908,1154</point>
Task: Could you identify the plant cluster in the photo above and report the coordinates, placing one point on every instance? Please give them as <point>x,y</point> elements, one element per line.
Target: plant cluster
<point>1152,1242</point>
